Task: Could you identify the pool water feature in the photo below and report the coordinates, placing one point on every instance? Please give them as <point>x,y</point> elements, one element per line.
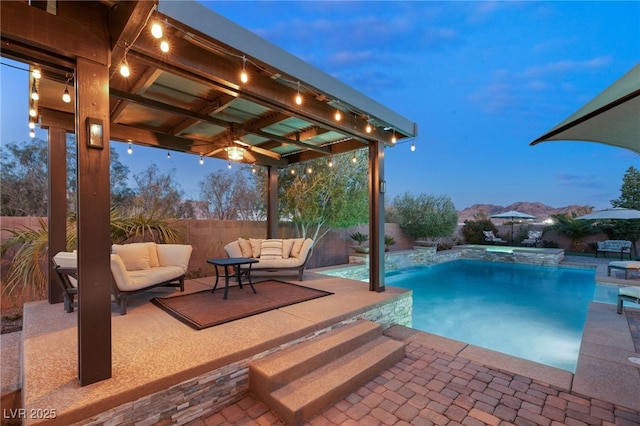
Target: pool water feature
<point>532,312</point>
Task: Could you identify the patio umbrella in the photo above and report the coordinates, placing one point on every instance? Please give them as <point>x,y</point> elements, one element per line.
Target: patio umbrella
<point>513,215</point>
<point>612,213</point>
<point>610,118</point>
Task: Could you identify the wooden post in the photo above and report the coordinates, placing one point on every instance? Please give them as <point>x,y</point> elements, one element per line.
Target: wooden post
<point>272,202</point>
<point>57,214</point>
<point>377,188</point>
<point>94,244</point>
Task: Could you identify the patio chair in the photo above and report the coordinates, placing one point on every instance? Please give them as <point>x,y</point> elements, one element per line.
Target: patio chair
<point>491,238</point>
<point>628,294</point>
<point>532,239</point>
<point>66,267</point>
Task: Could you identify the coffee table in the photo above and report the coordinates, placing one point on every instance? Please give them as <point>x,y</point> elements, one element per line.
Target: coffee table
<point>235,263</point>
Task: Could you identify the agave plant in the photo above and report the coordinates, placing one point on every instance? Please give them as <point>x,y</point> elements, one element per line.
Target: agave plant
<point>26,272</point>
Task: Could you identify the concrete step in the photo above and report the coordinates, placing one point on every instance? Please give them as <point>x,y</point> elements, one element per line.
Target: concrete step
<point>275,371</point>
<point>311,376</point>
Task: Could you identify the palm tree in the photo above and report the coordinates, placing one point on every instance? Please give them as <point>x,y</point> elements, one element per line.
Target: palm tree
<point>576,230</point>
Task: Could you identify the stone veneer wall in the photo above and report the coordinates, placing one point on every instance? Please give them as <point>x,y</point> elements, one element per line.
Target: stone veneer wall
<point>547,257</point>
<point>209,393</point>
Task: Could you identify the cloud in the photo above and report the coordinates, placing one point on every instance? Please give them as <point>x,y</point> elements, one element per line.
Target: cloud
<point>577,181</point>
<point>566,66</point>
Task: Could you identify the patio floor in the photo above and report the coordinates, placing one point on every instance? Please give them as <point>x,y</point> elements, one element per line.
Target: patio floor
<point>440,380</point>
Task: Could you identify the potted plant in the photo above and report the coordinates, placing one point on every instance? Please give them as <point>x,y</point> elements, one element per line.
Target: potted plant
<point>388,242</point>
<point>360,238</point>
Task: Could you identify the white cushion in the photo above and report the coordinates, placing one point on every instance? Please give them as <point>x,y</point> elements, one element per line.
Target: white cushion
<point>625,265</point>
<point>287,245</point>
<point>633,291</point>
<point>67,259</point>
<point>297,246</point>
<point>134,256</point>
<point>233,249</point>
<point>174,255</point>
<point>271,249</point>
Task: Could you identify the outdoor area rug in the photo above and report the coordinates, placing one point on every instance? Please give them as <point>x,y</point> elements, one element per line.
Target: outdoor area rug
<point>205,309</point>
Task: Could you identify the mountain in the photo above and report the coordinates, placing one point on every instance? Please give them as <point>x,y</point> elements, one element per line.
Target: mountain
<point>539,210</point>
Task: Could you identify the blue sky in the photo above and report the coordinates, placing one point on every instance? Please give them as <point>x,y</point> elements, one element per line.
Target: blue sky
<point>481,79</point>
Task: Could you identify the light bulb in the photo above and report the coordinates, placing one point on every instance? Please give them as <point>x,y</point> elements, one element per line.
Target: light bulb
<point>309,170</point>
<point>164,46</point>
<point>66,97</point>
<point>330,163</point>
<point>129,149</point>
<point>293,171</point>
<point>229,165</point>
<point>413,147</point>
<point>393,139</point>
<point>354,159</point>
<point>36,73</point>
<point>156,30</point>
<point>124,68</point>
<point>34,95</point>
<point>338,115</point>
<point>169,154</point>
<point>32,133</point>
<point>32,110</point>
<point>298,99</point>
<point>253,168</point>
<point>244,77</point>
<point>32,125</point>
<point>201,160</point>
<point>368,128</point>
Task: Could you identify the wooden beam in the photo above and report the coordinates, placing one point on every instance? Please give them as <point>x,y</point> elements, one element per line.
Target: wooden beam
<point>57,205</point>
<point>73,37</point>
<point>376,217</point>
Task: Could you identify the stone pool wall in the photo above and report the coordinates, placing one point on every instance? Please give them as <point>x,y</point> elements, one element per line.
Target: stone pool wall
<point>527,256</point>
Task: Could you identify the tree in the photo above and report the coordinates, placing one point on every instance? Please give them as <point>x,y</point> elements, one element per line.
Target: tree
<point>23,178</point>
<point>231,196</point>
<point>425,216</point>
<point>319,195</point>
<point>472,231</point>
<point>576,230</point>
<point>630,199</point>
<point>158,195</point>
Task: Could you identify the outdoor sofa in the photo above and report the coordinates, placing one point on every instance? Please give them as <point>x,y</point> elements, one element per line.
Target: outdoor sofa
<point>614,246</point>
<point>273,254</point>
<point>135,267</point>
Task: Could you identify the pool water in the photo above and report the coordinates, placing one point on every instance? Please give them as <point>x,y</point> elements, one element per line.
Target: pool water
<point>532,312</point>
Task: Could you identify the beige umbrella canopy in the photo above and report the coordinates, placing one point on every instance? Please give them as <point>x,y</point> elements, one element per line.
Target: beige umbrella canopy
<point>612,117</point>
<point>618,213</point>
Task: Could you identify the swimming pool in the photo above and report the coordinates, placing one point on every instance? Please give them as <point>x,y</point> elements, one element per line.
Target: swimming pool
<point>533,312</point>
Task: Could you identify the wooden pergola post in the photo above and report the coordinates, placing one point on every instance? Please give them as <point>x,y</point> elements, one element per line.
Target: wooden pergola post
<point>376,216</point>
<point>57,196</point>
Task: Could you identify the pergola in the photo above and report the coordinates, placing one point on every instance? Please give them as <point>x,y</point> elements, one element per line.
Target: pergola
<point>190,99</point>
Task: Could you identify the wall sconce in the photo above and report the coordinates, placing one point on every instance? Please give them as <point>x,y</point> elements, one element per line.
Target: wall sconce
<point>235,153</point>
<point>95,137</point>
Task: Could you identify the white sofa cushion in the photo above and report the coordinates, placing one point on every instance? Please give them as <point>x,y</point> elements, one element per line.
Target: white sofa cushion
<point>256,245</point>
<point>297,246</point>
<point>134,256</point>
<point>67,259</point>
<point>174,255</point>
<point>287,245</point>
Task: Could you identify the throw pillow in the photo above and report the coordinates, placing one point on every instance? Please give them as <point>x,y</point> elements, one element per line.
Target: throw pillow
<point>134,256</point>
<point>153,254</point>
<point>245,247</point>
<point>271,250</point>
<point>287,245</point>
<point>297,246</point>
<point>255,246</point>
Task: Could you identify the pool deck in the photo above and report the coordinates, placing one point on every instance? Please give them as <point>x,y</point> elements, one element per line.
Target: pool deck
<point>439,381</point>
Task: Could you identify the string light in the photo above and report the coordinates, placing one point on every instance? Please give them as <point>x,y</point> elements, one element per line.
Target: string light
<point>124,67</point>
<point>32,124</point>
<point>164,46</point>
<point>201,160</point>
<point>298,96</point>
<point>293,171</point>
<point>309,170</point>
<point>66,97</point>
<point>34,91</point>
<point>36,73</point>
<point>129,149</point>
<point>32,133</point>
<point>330,163</point>
<point>32,110</point>
<point>338,115</point>
<point>244,77</point>
<point>354,159</point>
<point>169,155</point>
<point>156,30</point>
<point>253,168</point>
<point>413,146</point>
<point>229,165</point>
